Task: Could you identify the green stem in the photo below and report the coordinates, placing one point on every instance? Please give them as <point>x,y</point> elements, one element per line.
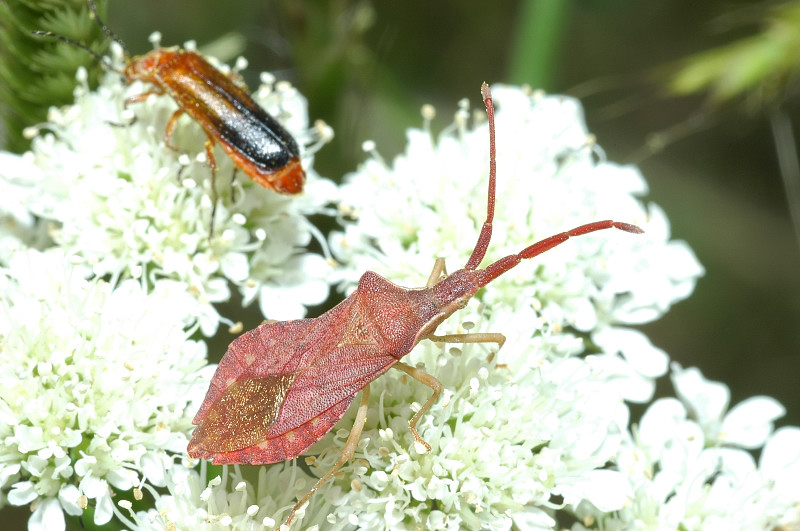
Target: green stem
<point>538,42</point>
<point>39,72</point>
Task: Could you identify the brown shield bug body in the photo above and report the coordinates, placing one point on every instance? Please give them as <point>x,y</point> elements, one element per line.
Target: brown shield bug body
<point>282,386</point>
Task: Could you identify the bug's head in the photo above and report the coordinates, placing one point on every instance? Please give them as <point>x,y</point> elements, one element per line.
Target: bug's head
<point>454,291</point>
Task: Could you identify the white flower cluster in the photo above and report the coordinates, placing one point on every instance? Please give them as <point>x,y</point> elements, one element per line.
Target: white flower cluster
<point>100,380</point>
<point>689,467</point>
<point>131,205</point>
<point>539,430</point>
<point>228,501</point>
<point>95,385</point>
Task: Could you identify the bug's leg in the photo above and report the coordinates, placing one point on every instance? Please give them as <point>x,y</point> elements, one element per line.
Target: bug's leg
<point>475,337</point>
<point>430,381</point>
<point>169,131</point>
<point>212,163</point>
<point>438,270</point>
<point>347,452</point>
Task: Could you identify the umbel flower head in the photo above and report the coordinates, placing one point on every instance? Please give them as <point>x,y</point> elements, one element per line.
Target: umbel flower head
<point>117,195</point>
<point>689,467</point>
<point>527,437</point>
<point>97,385</point>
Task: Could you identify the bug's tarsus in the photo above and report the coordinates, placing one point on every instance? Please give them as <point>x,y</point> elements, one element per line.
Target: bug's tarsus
<point>429,380</point>
<point>233,185</point>
<point>120,124</point>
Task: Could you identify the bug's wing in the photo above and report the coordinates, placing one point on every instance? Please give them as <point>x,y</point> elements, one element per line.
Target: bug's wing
<point>283,386</point>
<point>267,419</point>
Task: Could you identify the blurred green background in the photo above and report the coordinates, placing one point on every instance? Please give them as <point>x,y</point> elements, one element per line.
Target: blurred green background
<point>368,67</point>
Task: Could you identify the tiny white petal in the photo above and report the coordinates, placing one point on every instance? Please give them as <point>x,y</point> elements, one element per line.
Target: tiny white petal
<point>707,399</point>
<point>48,516</point>
<point>781,454</point>
<point>749,423</point>
<point>22,493</point>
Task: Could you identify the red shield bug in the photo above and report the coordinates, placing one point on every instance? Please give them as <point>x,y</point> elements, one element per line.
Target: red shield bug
<point>255,141</point>
<point>282,386</point>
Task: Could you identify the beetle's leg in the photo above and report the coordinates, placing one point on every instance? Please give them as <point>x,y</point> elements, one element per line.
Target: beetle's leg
<point>233,184</point>
<point>212,163</point>
<point>169,130</point>
<point>143,96</point>
<point>138,98</point>
<point>172,123</point>
<point>430,381</point>
<point>438,270</point>
<point>347,452</point>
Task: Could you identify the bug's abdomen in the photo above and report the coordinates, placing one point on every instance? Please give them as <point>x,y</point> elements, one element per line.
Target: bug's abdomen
<point>239,434</point>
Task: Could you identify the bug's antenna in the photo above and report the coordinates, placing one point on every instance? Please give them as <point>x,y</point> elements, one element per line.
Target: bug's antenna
<point>486,231</point>
<point>106,30</point>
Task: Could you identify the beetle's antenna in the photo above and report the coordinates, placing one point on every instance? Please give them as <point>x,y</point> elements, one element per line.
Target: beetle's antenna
<point>77,44</point>
<point>106,30</point>
<point>104,60</point>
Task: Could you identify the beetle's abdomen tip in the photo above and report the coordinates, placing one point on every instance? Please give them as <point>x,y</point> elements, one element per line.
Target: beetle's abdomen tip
<point>288,180</point>
<point>291,179</point>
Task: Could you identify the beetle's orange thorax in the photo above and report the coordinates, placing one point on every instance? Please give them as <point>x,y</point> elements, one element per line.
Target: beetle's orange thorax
<point>147,67</point>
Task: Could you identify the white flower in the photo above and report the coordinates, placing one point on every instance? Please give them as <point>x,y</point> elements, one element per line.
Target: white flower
<point>683,479</point>
<point>95,395</point>
<point>227,501</point>
<point>431,203</point>
<point>96,384</point>
<point>127,203</point>
<point>747,425</point>
<point>18,228</point>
